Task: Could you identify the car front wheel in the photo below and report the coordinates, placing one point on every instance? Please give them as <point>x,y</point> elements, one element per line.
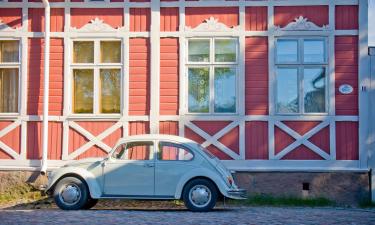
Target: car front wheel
<point>200,195</point>
<point>71,193</point>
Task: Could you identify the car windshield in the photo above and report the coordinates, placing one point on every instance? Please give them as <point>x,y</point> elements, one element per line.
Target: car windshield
<point>208,153</point>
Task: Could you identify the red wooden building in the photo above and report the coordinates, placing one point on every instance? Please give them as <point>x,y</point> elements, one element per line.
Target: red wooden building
<point>266,85</point>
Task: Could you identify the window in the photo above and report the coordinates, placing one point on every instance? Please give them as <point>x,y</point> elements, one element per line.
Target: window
<point>212,75</point>
<point>9,76</point>
<point>301,68</point>
<point>96,77</point>
<point>135,151</point>
<point>173,152</point>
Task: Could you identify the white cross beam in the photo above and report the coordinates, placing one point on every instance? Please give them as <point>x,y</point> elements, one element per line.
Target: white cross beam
<point>302,140</point>
<point>93,140</point>
<point>214,139</point>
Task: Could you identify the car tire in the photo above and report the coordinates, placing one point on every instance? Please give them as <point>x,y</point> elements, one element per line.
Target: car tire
<point>71,193</point>
<point>90,203</point>
<point>200,195</point>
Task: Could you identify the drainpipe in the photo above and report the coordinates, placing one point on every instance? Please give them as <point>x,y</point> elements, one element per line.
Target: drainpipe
<point>46,86</point>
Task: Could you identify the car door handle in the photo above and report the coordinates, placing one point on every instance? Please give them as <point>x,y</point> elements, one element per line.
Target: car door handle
<point>149,165</point>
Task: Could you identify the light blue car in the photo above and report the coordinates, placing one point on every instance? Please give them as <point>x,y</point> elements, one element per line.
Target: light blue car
<point>159,167</point>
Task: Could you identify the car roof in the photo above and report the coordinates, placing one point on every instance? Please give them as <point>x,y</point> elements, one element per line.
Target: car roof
<point>151,137</point>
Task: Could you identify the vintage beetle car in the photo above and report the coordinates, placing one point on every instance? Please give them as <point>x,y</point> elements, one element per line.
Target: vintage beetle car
<point>145,167</point>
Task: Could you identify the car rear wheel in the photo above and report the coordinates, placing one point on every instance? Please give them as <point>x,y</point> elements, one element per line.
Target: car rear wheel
<point>71,193</point>
<point>200,195</point>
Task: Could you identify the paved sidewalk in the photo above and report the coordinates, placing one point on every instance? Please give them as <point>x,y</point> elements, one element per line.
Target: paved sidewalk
<point>244,215</point>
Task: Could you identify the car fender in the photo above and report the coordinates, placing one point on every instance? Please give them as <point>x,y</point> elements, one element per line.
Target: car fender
<point>89,178</point>
<point>201,172</point>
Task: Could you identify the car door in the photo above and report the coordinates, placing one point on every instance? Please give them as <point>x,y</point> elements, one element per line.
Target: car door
<point>131,170</point>
<point>173,161</point>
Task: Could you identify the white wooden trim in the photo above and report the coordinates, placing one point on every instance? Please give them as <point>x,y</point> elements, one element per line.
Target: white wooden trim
<point>221,133</point>
<point>363,84</point>
<point>9,150</point>
<point>93,140</point>
<point>302,140</point>
<point>9,128</point>
<point>212,140</point>
<point>155,67</point>
<point>125,71</point>
<point>294,165</point>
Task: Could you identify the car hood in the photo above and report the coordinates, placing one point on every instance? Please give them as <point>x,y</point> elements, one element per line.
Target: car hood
<point>84,162</point>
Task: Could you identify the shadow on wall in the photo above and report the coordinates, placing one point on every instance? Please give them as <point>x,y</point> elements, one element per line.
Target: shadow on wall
<point>35,97</point>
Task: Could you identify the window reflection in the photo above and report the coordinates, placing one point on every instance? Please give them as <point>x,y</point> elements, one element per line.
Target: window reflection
<point>313,51</point>
<point>110,80</point>
<point>9,90</point>
<point>301,84</point>
<point>83,91</point>
<point>9,51</point>
<point>110,51</point>
<point>199,50</point>
<point>225,50</point>
<point>198,89</point>
<point>314,90</point>
<point>225,90</point>
<point>287,51</point>
<point>83,52</point>
<point>287,90</point>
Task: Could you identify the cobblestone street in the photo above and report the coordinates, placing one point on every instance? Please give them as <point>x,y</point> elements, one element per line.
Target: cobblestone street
<point>233,215</point>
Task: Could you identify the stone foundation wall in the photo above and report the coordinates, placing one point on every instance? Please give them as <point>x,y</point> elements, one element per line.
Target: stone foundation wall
<point>10,179</point>
<point>346,188</point>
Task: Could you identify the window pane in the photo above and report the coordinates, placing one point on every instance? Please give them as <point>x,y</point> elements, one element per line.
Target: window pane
<point>9,51</point>
<point>225,50</point>
<point>314,51</point>
<point>170,151</point>
<point>83,91</point>
<point>134,151</point>
<point>8,90</point>
<point>110,51</point>
<point>199,50</point>
<point>287,90</point>
<point>199,93</point>
<point>287,51</point>
<point>110,93</point>
<point>83,52</point>
<point>225,90</point>
<point>314,84</point>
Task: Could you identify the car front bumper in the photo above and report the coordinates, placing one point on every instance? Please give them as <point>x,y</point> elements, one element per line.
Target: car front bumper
<point>237,194</point>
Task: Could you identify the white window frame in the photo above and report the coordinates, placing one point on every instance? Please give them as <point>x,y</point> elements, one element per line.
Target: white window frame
<point>96,66</point>
<point>211,65</point>
<point>14,65</point>
<point>300,65</point>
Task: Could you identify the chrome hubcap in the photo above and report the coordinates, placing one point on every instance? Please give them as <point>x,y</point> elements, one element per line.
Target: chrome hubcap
<point>70,194</point>
<point>200,196</point>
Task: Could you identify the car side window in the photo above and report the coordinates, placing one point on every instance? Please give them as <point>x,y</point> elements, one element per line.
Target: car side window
<point>139,150</point>
<point>173,152</point>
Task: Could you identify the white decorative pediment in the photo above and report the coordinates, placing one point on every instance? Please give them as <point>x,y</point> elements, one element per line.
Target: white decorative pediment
<point>301,24</point>
<point>6,28</point>
<point>96,25</point>
<point>212,25</point>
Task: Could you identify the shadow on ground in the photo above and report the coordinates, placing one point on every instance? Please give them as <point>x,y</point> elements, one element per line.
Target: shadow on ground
<point>134,205</point>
